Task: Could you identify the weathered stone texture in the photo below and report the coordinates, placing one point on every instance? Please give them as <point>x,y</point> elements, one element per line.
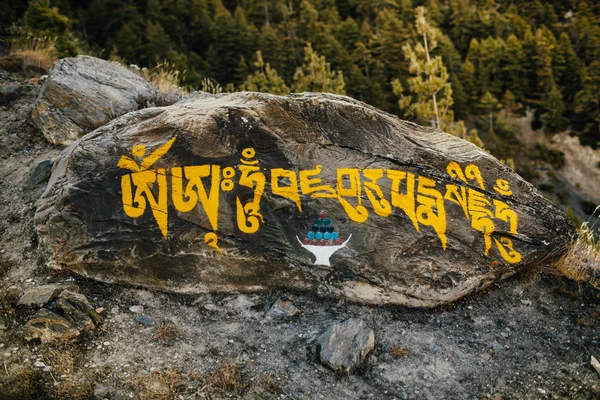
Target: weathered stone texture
<point>84,93</point>
<point>432,217</point>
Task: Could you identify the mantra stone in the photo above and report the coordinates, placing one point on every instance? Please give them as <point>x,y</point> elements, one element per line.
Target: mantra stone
<point>218,192</point>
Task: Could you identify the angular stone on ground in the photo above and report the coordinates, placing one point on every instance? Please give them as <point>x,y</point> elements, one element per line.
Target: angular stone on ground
<point>40,295</point>
<point>214,192</point>
<point>8,93</point>
<point>49,327</point>
<point>78,319</point>
<point>344,346</point>
<point>66,317</point>
<point>40,174</point>
<point>81,303</point>
<point>84,93</point>
<point>283,308</point>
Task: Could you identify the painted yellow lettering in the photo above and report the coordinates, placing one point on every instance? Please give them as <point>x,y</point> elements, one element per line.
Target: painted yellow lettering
<point>183,201</point>
<point>248,215</point>
<point>472,172</point>
<point>374,193</point>
<point>452,194</point>
<point>210,200</point>
<point>143,182</point>
<point>455,170</point>
<point>404,201</point>
<point>502,187</point>
<point>430,200</point>
<point>505,247</point>
<point>504,213</point>
<point>143,178</point>
<point>481,217</point>
<point>351,176</point>
<point>289,191</point>
<point>131,210</point>
<point>311,186</point>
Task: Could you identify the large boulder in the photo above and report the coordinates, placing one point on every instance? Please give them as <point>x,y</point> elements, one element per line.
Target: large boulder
<point>222,193</point>
<point>84,93</point>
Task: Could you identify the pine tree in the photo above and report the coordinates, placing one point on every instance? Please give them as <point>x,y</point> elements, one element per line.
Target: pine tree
<point>571,70</point>
<point>430,84</point>
<point>587,105</point>
<point>489,104</point>
<point>158,44</point>
<point>553,118</point>
<point>47,21</point>
<point>514,74</point>
<point>467,77</point>
<point>264,79</point>
<point>315,75</point>
<point>544,46</point>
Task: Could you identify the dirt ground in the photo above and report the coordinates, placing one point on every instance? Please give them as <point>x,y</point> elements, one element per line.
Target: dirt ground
<point>526,338</point>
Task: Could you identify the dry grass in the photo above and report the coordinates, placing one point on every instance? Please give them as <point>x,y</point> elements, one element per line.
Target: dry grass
<point>167,333</point>
<point>581,262</point>
<point>26,383</point>
<point>159,385</point>
<point>74,389</point>
<point>398,352</point>
<point>165,76</point>
<point>36,53</point>
<point>211,86</point>
<point>226,378</point>
<point>61,359</point>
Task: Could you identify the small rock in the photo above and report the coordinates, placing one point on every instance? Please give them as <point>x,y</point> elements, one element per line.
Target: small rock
<point>39,364</point>
<point>136,309</point>
<point>485,356</point>
<point>40,173</point>
<point>99,310</point>
<point>144,321</point>
<point>526,302</point>
<point>504,335</point>
<point>48,327</point>
<point>211,307</point>
<point>42,295</point>
<point>344,346</point>
<point>102,391</point>
<point>595,364</point>
<point>541,391</point>
<point>47,368</point>
<point>8,93</point>
<point>283,308</point>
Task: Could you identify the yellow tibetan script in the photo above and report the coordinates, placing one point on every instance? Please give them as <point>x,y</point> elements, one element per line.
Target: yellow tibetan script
<point>421,199</point>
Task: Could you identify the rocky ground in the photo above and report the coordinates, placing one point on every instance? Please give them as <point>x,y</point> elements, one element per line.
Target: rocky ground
<point>527,338</point>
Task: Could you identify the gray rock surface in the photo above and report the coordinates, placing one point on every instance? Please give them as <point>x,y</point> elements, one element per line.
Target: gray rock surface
<point>428,217</point>
<point>283,308</point>
<point>8,93</point>
<point>344,346</point>
<point>40,295</point>
<point>84,93</point>
<point>40,173</point>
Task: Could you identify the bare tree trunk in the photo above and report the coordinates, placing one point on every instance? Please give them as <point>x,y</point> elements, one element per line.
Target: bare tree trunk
<point>266,5</point>
<point>435,107</point>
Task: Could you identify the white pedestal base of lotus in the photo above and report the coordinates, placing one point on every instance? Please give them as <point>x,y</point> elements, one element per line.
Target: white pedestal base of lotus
<point>323,253</point>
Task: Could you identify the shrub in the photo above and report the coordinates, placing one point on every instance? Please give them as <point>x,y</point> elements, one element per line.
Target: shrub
<point>556,158</point>
<point>581,262</point>
<point>36,53</point>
